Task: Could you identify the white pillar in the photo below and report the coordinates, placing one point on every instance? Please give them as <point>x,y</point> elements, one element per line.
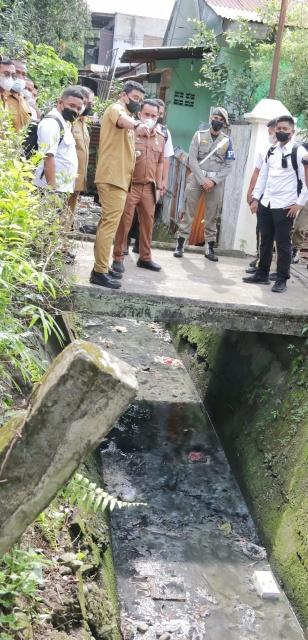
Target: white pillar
<point>263,112</point>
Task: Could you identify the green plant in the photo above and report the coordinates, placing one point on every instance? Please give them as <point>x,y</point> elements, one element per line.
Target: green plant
<point>100,106</point>
<point>30,265</point>
<point>89,497</point>
<point>20,576</point>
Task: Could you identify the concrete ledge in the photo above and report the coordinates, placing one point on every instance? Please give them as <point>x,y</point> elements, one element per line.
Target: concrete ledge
<point>105,302</point>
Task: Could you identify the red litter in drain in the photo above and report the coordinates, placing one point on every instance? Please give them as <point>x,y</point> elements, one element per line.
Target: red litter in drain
<point>197,456</point>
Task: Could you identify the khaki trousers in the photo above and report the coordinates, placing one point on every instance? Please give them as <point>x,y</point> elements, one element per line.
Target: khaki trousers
<point>192,194</point>
<point>112,200</point>
<point>141,198</point>
<point>300,228</point>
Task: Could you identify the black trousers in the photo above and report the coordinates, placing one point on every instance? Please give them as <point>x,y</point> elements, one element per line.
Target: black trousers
<point>275,225</point>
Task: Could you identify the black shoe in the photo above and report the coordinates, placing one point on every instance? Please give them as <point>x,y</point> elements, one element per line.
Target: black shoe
<point>254,262</point>
<point>89,229</point>
<point>118,266</point>
<point>104,280</point>
<point>280,286</point>
<point>135,248</point>
<point>251,270</point>
<point>273,276</point>
<point>148,264</point>
<point>209,252</point>
<point>115,274</point>
<point>179,249</point>
<point>255,279</point>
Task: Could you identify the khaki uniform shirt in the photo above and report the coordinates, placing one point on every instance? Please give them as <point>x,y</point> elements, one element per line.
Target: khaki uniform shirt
<point>116,155</point>
<point>82,138</point>
<point>219,165</point>
<point>19,110</point>
<point>149,157</point>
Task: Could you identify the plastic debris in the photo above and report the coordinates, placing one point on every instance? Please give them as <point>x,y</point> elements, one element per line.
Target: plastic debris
<point>120,329</point>
<point>172,362</point>
<point>265,585</point>
<point>198,456</point>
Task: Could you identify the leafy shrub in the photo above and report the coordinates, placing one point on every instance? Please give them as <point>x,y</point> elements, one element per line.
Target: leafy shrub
<point>30,264</point>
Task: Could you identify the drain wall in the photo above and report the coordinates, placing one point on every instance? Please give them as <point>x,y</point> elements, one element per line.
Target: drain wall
<point>255,387</point>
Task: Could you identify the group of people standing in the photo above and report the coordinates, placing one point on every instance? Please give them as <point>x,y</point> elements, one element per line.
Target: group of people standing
<point>132,175</point>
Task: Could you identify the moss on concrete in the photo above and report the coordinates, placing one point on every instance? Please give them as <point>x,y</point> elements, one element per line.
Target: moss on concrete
<point>256,389</point>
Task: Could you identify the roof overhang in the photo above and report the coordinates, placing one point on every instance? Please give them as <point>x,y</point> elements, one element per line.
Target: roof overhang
<point>148,54</point>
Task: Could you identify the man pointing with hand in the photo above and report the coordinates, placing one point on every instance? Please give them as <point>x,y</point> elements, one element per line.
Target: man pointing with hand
<point>115,167</point>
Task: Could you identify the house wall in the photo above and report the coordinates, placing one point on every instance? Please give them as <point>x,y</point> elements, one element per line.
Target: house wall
<point>137,31</point>
<point>183,121</point>
<point>179,30</point>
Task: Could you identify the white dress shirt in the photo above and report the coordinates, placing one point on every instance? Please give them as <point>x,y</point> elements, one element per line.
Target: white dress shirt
<point>64,152</point>
<point>168,150</point>
<point>278,186</point>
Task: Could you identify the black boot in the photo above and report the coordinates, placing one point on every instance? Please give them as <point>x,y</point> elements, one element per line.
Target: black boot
<point>209,252</point>
<point>179,249</point>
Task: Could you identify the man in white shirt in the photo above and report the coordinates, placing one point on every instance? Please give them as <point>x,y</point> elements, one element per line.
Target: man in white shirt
<point>279,195</point>
<point>169,151</point>
<point>58,169</point>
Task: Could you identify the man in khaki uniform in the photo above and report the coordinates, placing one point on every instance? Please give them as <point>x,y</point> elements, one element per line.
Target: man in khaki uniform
<point>81,136</point>
<point>17,105</point>
<point>206,178</point>
<point>11,100</point>
<point>116,162</point>
<point>146,186</point>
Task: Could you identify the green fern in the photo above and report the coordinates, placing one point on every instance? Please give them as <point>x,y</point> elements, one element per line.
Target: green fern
<point>89,497</point>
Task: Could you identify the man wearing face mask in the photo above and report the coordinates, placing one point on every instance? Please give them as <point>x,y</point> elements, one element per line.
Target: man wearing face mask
<point>115,166</point>
<point>17,105</point>
<point>146,185</point>
<point>258,164</point>
<point>207,177</point>
<point>59,168</point>
<point>82,139</point>
<point>10,94</point>
<point>279,195</point>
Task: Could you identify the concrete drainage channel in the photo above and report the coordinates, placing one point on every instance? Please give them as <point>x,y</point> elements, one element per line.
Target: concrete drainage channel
<point>185,562</point>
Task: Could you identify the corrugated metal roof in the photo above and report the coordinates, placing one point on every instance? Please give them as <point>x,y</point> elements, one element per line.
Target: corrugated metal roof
<point>234,9</point>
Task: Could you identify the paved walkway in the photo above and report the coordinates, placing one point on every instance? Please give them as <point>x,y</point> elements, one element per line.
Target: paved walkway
<point>194,290</point>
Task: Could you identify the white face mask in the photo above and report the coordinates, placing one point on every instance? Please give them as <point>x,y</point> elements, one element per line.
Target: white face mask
<point>149,122</point>
<point>18,85</point>
<point>6,83</point>
<point>272,139</point>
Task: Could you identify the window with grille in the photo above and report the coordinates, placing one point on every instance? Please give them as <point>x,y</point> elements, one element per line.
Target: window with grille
<point>183,99</point>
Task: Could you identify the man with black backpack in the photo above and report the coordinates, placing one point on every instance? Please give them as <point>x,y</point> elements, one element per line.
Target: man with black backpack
<point>59,167</point>
<point>279,195</point>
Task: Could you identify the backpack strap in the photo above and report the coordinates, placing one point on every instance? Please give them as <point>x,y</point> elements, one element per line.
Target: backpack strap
<point>60,123</point>
<point>295,166</point>
<point>269,153</point>
<point>62,131</point>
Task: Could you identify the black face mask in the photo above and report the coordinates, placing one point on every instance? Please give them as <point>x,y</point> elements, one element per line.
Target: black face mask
<point>133,106</point>
<point>69,114</point>
<point>282,136</point>
<point>160,120</point>
<point>216,125</point>
<point>88,111</point>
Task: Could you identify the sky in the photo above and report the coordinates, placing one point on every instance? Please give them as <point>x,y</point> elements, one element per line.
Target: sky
<point>157,9</point>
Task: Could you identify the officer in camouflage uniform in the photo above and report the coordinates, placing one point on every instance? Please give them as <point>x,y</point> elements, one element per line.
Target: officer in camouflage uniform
<point>207,178</point>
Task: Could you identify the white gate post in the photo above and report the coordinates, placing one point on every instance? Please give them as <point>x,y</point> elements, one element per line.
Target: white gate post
<point>263,112</point>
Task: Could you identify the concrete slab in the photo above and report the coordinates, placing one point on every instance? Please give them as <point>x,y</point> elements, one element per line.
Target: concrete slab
<point>192,290</point>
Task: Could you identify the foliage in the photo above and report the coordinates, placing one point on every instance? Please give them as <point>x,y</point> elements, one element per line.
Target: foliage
<point>61,25</point>
<point>100,106</point>
<point>240,88</point>
<point>19,579</point>
<point>30,265</point>
<point>48,71</point>
<point>89,497</point>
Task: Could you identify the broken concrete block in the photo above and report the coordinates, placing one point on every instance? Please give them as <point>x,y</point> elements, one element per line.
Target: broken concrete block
<point>265,585</point>
<point>82,394</point>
